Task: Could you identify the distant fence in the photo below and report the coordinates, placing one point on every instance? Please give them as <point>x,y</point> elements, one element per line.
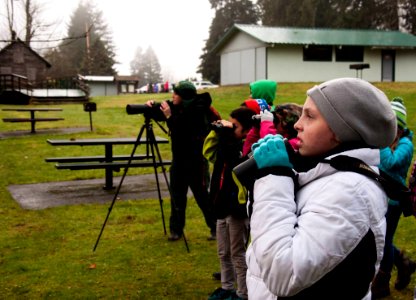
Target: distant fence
<point>66,83</point>
<point>18,83</point>
<point>14,82</point>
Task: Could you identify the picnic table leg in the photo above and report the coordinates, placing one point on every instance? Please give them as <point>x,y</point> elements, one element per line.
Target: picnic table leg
<point>108,170</point>
<point>32,122</point>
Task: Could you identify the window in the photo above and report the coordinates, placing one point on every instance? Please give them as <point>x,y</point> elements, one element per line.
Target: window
<point>317,53</point>
<point>349,53</point>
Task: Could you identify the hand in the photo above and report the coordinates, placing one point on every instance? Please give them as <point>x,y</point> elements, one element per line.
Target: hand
<point>150,103</point>
<point>256,117</point>
<point>271,152</point>
<point>260,141</point>
<point>165,108</point>
<point>226,123</point>
<point>266,115</point>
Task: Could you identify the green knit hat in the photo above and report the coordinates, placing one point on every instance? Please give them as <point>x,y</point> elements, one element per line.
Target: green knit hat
<point>185,89</point>
<point>397,104</point>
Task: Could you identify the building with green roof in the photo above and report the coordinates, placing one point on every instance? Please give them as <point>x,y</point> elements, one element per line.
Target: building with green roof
<point>253,52</point>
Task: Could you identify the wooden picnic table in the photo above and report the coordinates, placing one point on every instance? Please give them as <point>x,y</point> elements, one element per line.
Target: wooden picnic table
<point>108,161</point>
<point>32,119</point>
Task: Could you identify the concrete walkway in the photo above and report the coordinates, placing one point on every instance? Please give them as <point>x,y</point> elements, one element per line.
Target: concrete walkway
<point>51,194</point>
<point>17,133</point>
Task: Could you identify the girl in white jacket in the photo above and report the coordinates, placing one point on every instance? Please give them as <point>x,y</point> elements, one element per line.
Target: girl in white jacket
<point>318,233</point>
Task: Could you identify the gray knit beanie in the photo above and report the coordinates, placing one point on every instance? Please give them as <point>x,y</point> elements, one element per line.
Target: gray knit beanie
<point>355,110</point>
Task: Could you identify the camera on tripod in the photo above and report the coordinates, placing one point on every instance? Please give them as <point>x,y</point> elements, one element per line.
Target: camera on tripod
<point>149,112</point>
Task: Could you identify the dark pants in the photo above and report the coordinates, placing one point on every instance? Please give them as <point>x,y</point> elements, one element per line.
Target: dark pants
<point>391,253</point>
<point>194,175</point>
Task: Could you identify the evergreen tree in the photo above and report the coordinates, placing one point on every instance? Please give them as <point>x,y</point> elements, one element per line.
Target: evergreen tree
<point>150,67</point>
<point>227,12</point>
<point>350,14</point>
<point>137,65</point>
<point>408,13</point>
<point>288,13</point>
<point>86,30</point>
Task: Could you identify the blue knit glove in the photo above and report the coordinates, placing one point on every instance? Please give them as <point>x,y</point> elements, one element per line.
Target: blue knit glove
<point>263,140</point>
<point>271,152</point>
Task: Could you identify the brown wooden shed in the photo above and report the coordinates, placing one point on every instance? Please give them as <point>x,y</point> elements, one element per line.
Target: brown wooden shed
<point>19,59</point>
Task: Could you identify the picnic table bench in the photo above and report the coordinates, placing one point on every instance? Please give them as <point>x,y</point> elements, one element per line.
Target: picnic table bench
<point>108,161</point>
<point>32,119</point>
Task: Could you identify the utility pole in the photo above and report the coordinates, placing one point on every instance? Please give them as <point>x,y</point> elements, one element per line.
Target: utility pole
<point>87,34</point>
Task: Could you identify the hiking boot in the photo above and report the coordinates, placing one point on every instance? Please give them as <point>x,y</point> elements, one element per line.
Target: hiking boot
<point>234,296</point>
<point>174,237</point>
<point>220,294</point>
<point>405,268</point>
<point>380,287</point>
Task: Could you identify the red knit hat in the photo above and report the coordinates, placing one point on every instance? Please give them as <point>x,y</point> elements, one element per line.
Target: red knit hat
<point>257,105</point>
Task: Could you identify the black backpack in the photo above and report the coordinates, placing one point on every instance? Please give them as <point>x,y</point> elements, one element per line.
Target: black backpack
<point>394,189</point>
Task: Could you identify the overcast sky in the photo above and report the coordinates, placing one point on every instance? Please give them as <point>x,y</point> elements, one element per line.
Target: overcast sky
<point>176,30</point>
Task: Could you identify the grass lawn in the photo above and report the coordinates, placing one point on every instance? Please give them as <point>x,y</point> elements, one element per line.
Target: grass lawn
<point>47,254</point>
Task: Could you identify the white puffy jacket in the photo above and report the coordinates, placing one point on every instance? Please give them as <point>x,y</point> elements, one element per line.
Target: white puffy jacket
<point>295,243</point>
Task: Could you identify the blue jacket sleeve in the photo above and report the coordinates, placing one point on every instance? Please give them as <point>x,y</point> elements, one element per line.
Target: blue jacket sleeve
<point>396,163</point>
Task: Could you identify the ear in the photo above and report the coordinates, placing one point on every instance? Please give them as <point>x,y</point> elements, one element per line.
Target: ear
<point>335,138</point>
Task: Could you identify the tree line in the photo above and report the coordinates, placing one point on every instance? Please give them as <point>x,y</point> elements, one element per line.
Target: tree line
<point>88,47</point>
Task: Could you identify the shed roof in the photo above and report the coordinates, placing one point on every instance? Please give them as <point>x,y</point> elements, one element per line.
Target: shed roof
<point>18,42</point>
<point>97,78</point>
<point>321,36</point>
<point>127,78</point>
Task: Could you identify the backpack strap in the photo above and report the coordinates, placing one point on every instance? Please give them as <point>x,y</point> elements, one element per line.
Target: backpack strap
<point>394,189</point>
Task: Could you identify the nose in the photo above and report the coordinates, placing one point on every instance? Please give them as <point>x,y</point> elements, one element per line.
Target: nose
<point>297,125</point>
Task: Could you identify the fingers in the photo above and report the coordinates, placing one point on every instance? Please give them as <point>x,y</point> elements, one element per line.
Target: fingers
<point>150,103</point>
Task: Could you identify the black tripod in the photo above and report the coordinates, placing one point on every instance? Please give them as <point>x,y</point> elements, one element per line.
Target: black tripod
<point>152,149</point>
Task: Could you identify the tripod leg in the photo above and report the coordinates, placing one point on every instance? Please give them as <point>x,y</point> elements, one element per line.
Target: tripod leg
<point>119,186</point>
<point>154,148</point>
<point>152,145</point>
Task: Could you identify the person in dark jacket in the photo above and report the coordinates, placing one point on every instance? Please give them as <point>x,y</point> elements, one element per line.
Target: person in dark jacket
<point>223,148</point>
<point>187,117</point>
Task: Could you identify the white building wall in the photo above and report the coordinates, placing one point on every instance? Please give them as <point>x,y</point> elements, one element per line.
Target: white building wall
<point>245,59</point>
<point>261,61</point>
<point>230,68</point>
<point>285,64</point>
<point>243,66</point>
<point>102,89</point>
<point>248,65</point>
<point>405,65</point>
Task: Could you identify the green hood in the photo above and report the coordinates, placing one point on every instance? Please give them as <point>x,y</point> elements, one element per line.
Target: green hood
<point>264,89</point>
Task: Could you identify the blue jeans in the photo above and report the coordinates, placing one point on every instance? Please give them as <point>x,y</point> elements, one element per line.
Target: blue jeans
<point>391,253</point>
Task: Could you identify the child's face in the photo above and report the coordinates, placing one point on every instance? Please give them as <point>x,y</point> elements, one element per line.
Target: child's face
<point>315,136</point>
<point>176,99</point>
<point>239,132</point>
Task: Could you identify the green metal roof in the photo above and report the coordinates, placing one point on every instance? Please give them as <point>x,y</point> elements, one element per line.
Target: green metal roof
<point>318,36</point>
